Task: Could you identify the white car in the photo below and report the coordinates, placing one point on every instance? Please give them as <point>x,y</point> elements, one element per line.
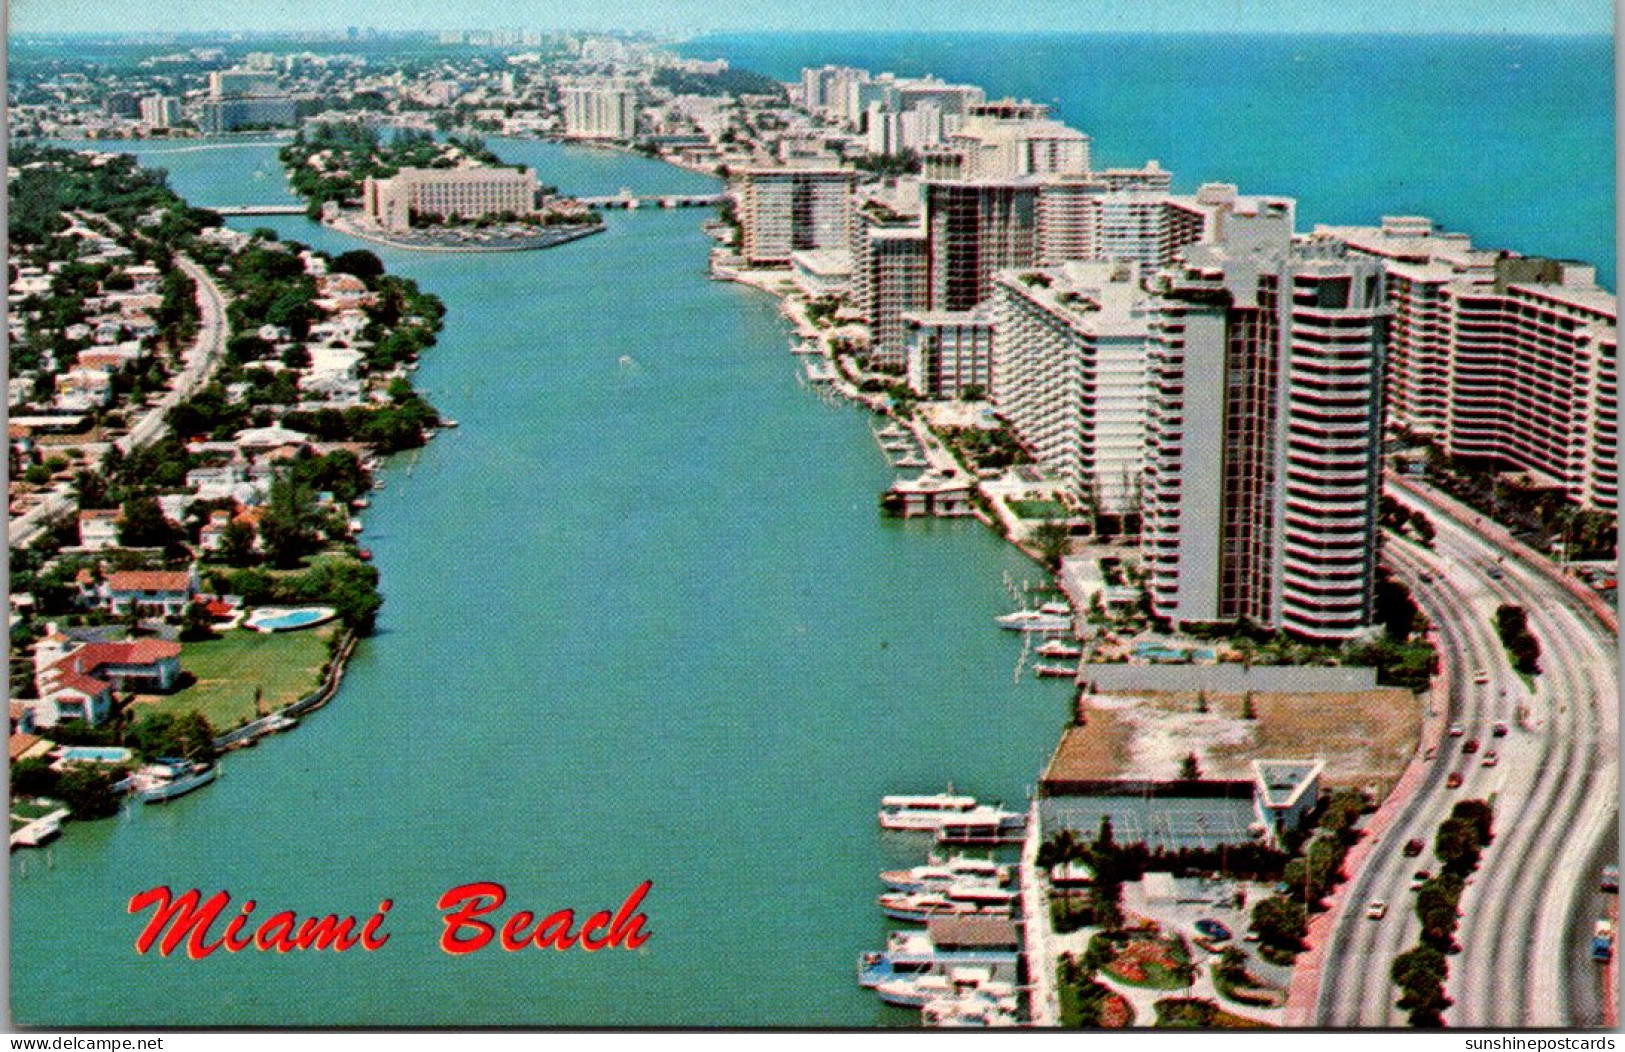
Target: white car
<point>1457,730</point>
<point>1377,910</point>
<point>1481,676</point>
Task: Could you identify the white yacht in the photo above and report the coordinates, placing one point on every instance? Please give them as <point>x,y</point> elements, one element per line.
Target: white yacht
<point>923,812</point>
<point>938,875</point>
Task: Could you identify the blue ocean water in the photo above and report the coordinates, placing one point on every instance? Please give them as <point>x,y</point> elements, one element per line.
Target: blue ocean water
<point>1510,139</point>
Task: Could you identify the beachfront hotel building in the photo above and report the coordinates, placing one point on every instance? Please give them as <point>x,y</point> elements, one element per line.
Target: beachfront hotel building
<point>606,110</point>
<point>783,210</point>
<point>1502,359</point>
<point>1069,375</point>
<point>1263,433</point>
<point>462,193</point>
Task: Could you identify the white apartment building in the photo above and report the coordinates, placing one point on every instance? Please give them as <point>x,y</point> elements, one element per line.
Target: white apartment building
<point>891,274</point>
<point>1069,374</point>
<point>466,193</point>
<point>161,111</point>
<point>1008,140</point>
<point>605,109</point>
<point>949,352</point>
<point>789,209</point>
<point>1151,227</point>
<point>1498,358</point>
<point>1264,434</point>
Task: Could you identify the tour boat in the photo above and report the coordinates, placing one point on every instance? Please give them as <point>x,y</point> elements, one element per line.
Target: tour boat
<point>1035,621</point>
<point>984,825</point>
<point>1059,648</point>
<point>936,876</point>
<point>922,812</point>
<point>168,779</point>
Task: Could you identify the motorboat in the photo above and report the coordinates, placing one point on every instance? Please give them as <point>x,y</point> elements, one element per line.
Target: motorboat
<point>166,779</point>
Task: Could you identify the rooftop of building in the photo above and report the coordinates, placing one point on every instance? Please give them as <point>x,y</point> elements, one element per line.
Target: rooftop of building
<point>1282,783</point>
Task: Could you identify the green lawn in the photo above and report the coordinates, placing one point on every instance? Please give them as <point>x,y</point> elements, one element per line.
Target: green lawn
<point>1039,509</point>
<point>284,665</point>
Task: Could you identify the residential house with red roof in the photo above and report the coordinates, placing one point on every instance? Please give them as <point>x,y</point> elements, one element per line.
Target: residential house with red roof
<point>165,591</point>
<point>76,681</point>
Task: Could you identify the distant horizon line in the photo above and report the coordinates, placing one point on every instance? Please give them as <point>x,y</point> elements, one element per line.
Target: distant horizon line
<point>693,34</point>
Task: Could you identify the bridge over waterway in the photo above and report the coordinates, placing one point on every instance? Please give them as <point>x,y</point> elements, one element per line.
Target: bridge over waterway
<point>257,210</point>
<point>627,200</point>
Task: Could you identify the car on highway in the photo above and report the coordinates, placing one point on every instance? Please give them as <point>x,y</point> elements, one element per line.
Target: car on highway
<point>1457,730</point>
<point>1454,781</point>
<point>1495,573</point>
<point>1470,747</point>
<point>1433,750</point>
<point>1377,910</point>
<point>1413,848</point>
<point>1500,729</point>
<point>1610,878</point>
<point>1212,929</point>
<point>1481,676</point>
<point>1490,759</point>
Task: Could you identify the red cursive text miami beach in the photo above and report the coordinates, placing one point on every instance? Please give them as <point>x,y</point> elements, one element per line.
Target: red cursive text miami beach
<point>189,920</point>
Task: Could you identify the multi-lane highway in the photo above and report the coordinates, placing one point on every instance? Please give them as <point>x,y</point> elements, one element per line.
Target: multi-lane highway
<point>1553,787</point>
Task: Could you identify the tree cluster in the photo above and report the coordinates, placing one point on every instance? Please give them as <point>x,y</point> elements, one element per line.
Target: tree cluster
<point>1421,971</point>
<point>1512,625</point>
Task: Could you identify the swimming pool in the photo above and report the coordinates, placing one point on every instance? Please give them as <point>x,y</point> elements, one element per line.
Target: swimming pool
<point>282,619</point>
<point>95,754</point>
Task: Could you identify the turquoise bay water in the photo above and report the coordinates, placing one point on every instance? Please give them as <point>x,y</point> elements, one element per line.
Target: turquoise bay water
<point>643,622</point>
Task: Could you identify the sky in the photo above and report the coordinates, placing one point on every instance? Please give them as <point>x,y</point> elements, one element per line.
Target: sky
<point>690,16</point>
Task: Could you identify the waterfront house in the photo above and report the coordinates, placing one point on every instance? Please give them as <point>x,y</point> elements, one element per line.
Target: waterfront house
<point>166,590</point>
<point>71,697</point>
<point>75,681</point>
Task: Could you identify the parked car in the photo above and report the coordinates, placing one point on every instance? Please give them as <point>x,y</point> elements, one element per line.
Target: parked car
<point>1454,781</point>
<point>1471,746</point>
<point>1500,729</point>
<point>1457,730</point>
<point>1422,877</point>
<point>1212,929</point>
<point>1377,910</point>
<point>1413,848</point>
<point>1491,759</point>
<point>1481,676</point>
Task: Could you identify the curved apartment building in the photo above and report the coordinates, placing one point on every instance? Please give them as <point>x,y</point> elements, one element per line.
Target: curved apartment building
<point>1263,435</point>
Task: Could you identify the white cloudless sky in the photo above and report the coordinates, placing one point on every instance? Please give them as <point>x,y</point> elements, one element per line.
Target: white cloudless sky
<point>1315,16</point>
